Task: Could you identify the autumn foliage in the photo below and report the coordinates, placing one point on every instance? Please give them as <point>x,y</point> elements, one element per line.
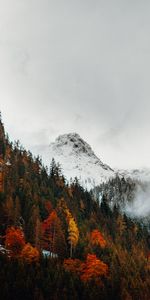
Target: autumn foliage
<point>73,232</point>
<point>14,241</point>
<point>53,236</point>
<point>38,209</point>
<point>30,254</point>
<point>50,221</point>
<point>73,265</point>
<point>92,269</point>
<point>96,239</point>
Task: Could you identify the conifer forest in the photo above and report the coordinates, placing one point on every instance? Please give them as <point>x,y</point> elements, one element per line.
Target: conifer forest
<point>59,241</point>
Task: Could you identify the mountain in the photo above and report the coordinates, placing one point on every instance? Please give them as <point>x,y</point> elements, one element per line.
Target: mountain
<point>57,235</point>
<point>77,159</point>
<point>142,174</point>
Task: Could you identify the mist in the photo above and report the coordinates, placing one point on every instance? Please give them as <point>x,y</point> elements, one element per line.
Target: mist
<point>140,207</point>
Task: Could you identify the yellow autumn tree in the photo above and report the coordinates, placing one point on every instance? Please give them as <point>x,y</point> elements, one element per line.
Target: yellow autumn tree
<point>68,214</point>
<point>73,234</point>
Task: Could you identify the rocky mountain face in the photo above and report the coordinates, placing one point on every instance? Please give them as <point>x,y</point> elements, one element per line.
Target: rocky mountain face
<point>77,159</point>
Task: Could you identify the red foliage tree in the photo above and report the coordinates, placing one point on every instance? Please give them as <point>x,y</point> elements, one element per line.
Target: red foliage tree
<point>96,239</point>
<point>14,241</point>
<point>93,269</point>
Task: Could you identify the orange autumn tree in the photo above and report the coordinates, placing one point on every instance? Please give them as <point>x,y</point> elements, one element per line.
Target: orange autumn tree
<point>14,241</point>
<point>30,254</point>
<point>93,269</point>
<point>53,236</point>
<point>96,239</point>
<point>49,231</point>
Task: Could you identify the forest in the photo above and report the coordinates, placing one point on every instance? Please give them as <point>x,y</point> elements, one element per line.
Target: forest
<point>59,241</point>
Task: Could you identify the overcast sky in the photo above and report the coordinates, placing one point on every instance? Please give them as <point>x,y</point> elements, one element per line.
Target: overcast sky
<point>78,66</point>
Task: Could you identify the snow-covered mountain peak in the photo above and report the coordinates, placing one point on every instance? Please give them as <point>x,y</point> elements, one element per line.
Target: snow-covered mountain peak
<point>75,142</point>
<point>77,159</point>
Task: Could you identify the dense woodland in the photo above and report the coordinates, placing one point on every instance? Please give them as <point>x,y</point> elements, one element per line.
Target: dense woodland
<point>58,241</point>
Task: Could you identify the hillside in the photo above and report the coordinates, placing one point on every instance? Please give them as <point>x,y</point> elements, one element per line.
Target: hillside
<point>59,241</point>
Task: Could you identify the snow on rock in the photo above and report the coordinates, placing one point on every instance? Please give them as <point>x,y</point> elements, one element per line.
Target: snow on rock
<point>142,175</point>
<point>77,159</point>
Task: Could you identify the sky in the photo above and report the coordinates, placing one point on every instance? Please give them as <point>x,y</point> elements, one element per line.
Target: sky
<point>78,66</point>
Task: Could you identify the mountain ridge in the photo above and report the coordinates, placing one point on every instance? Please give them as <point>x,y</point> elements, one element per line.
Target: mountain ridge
<point>77,159</point>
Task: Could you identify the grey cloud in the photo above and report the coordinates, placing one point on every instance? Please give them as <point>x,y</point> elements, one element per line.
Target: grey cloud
<point>140,206</point>
<point>78,66</point>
